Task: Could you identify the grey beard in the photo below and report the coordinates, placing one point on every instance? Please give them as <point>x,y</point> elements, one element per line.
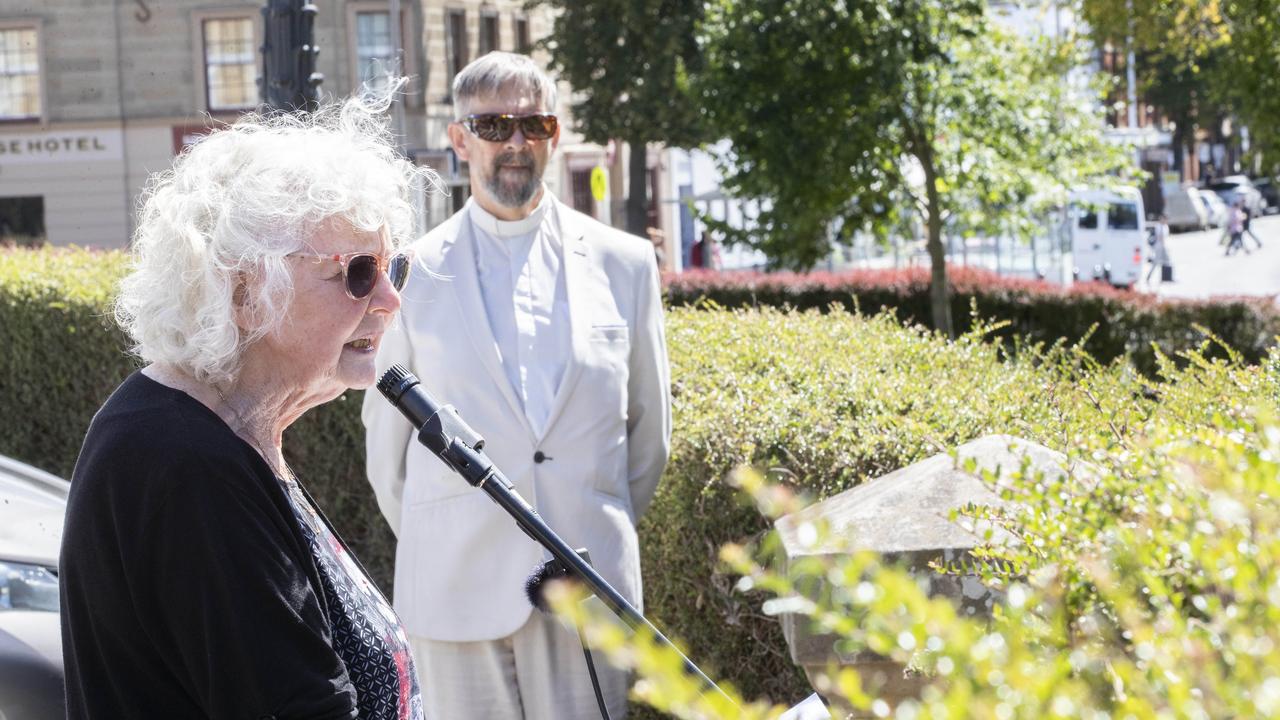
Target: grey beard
<point>513,195</point>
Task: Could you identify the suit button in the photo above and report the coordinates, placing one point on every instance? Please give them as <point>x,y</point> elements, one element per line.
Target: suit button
<point>539,456</point>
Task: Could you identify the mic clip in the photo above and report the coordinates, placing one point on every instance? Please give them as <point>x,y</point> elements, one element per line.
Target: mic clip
<point>446,427</point>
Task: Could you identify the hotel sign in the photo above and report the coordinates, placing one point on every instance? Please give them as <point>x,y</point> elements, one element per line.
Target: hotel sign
<point>60,147</point>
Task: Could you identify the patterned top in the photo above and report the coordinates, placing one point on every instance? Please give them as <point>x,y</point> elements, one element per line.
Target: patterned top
<point>367,634</point>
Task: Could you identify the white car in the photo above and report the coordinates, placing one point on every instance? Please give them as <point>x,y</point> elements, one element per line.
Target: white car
<point>1238,187</point>
<point>32,504</point>
<point>1184,209</point>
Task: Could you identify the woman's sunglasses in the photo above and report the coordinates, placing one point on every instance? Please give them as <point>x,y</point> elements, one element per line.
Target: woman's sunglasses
<point>360,270</point>
<point>497,128</point>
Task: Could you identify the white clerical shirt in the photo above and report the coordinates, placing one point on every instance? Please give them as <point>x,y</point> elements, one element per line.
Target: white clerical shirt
<point>520,267</point>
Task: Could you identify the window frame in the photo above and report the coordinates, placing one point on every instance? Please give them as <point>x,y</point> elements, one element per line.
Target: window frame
<point>36,25</point>
<point>198,20</point>
<point>488,16</point>
<point>521,41</point>
<point>453,64</point>
<point>409,66</point>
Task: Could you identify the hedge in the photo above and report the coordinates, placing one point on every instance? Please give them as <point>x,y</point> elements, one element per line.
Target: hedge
<point>823,399</point>
<point>64,355</point>
<point>1144,588</point>
<point>1127,324</point>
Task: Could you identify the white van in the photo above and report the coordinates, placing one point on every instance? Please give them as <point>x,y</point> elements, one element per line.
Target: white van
<point>1108,236</point>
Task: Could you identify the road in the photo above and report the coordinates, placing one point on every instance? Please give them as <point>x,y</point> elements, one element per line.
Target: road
<point>1200,268</point>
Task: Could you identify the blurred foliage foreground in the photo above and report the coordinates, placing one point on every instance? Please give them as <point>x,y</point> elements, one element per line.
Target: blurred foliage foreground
<point>1148,591</point>
<point>1144,585</point>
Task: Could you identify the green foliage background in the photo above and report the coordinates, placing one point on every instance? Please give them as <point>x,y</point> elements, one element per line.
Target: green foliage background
<point>823,401</point>
<point>1143,583</point>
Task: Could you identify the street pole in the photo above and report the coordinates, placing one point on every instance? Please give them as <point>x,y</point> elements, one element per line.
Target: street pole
<point>290,82</point>
<point>1129,71</point>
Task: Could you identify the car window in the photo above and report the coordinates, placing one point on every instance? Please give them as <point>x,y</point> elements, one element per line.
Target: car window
<point>1122,216</point>
<point>27,587</point>
<point>1088,218</point>
<point>1223,186</point>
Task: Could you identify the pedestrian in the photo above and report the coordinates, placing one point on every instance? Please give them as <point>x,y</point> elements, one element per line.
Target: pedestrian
<point>544,328</point>
<point>1159,257</point>
<point>1248,218</point>
<point>699,254</point>
<point>198,577</point>
<point>705,252</point>
<point>1235,228</point>
<point>659,239</point>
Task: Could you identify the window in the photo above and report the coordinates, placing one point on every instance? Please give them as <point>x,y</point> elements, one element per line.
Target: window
<point>580,182</point>
<point>488,34</point>
<point>522,36</point>
<point>19,74</point>
<point>375,54</point>
<point>1122,216</point>
<point>22,221</point>
<point>230,64</point>
<point>456,36</point>
<point>1086,218</point>
<point>458,195</point>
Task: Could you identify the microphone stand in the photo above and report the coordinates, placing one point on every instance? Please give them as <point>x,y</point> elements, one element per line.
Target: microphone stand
<point>442,430</point>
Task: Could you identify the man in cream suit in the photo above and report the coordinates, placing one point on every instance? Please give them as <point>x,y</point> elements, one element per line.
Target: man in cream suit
<point>543,328</point>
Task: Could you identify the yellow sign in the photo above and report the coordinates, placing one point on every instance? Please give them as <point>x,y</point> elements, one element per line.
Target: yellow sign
<point>598,183</point>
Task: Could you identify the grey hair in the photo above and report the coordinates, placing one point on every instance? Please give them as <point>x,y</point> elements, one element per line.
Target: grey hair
<point>214,229</point>
<point>496,72</point>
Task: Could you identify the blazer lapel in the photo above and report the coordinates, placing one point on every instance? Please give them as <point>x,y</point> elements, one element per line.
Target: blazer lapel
<point>460,265</point>
<point>576,266</point>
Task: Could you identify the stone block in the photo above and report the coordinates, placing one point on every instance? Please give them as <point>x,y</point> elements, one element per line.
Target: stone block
<point>904,517</point>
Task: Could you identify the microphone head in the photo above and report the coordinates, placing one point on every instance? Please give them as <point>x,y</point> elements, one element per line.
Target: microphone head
<point>395,381</point>
<point>536,584</point>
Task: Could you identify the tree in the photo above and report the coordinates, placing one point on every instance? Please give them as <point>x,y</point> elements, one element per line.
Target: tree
<point>1176,45</point>
<point>880,115</point>
<point>1249,74</point>
<point>1200,60</point>
<point>628,62</point>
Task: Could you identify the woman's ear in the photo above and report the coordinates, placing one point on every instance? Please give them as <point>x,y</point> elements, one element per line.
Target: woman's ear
<point>242,304</point>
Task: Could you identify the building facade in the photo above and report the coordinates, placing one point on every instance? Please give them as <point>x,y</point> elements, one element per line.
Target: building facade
<point>97,95</point>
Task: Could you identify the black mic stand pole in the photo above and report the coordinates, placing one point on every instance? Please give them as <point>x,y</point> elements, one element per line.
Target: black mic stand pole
<point>443,431</point>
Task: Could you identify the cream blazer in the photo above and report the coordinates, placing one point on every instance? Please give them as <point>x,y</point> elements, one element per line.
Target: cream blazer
<point>461,561</point>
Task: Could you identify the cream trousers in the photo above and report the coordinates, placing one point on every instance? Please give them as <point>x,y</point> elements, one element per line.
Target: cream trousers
<point>537,673</point>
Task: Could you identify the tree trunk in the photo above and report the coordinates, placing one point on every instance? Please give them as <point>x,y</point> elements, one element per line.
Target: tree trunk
<point>638,188</point>
<point>939,290</point>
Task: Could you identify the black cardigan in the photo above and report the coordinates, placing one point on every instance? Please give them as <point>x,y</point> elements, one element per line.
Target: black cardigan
<point>187,588</point>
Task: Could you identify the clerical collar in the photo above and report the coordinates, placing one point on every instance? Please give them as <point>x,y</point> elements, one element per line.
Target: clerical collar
<point>510,228</point>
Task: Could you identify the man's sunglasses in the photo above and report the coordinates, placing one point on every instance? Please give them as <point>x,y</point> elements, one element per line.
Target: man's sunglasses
<point>497,128</point>
<point>361,270</point>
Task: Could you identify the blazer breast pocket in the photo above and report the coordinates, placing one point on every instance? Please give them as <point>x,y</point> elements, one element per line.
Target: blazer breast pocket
<point>611,334</point>
<point>611,349</point>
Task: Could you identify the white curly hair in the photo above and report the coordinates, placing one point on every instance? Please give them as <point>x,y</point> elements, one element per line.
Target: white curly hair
<point>213,230</point>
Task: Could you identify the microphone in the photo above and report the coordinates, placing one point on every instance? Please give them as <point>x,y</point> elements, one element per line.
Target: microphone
<point>535,586</point>
<point>553,569</point>
<point>438,425</point>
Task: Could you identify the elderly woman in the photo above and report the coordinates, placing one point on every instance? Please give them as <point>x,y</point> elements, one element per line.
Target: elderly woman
<point>199,579</point>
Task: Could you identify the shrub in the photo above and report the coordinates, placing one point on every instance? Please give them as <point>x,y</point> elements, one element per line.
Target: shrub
<point>824,400</point>
<point>1147,589</point>
<point>1109,323</point>
<point>64,355</point>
